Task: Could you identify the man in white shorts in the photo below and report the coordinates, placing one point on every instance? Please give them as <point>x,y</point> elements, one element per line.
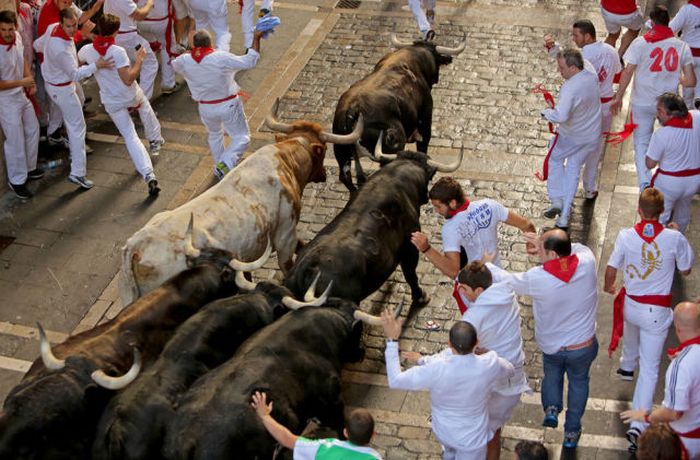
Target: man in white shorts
<point>210,75</point>
<point>648,254</point>
<point>61,73</point>
<point>681,405</point>
<point>424,14</point>
<point>494,312</point>
<point>119,92</point>
<point>248,18</point>
<point>657,60</point>
<point>675,149</point>
<point>686,24</point>
<point>157,28</point>
<point>213,15</point>
<point>128,38</point>
<point>606,63</point>
<point>618,14</point>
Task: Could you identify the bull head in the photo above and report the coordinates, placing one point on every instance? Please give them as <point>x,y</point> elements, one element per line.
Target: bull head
<point>440,49</point>
<point>379,156</point>
<point>117,383</point>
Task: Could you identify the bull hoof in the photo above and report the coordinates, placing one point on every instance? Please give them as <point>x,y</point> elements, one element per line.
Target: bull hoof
<point>421,302</point>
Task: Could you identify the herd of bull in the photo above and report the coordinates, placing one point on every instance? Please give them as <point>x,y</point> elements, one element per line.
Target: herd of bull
<point>172,375</point>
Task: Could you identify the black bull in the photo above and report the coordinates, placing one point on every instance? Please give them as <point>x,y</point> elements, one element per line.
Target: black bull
<point>395,98</point>
<point>296,360</point>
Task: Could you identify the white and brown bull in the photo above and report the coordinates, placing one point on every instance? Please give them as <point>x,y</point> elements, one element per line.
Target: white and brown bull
<point>259,200</point>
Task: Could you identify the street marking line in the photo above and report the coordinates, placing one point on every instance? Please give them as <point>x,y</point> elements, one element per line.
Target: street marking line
<point>26,332</point>
<point>12,364</point>
<point>113,139</point>
<point>627,189</point>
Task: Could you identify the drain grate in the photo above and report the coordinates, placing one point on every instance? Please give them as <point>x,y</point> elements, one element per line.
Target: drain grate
<point>5,241</point>
<point>348,4</point>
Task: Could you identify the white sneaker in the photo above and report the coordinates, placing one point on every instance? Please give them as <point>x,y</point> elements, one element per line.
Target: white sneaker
<point>154,147</point>
<point>83,181</point>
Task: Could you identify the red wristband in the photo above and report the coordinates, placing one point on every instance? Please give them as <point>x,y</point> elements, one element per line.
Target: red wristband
<point>646,419</point>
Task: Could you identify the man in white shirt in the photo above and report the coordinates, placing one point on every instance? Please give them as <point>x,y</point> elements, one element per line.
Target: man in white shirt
<point>157,29</point>
<point>494,312</point>
<point>459,412</point>
<point>17,117</point>
<point>128,38</point>
<point>210,75</point>
<point>648,254</point>
<point>248,18</point>
<point>675,149</point>
<point>659,62</point>
<point>618,14</point>
<point>471,226</point>
<point>606,62</point>
<point>686,24</point>
<point>213,15</point>
<point>119,92</point>
<point>61,71</point>
<point>681,405</point>
<point>565,300</point>
<point>578,133</point>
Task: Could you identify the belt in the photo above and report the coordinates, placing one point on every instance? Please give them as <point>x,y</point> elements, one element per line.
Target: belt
<point>126,32</point>
<point>695,52</point>
<point>156,19</point>
<point>60,84</point>
<point>216,101</point>
<point>605,100</point>
<point>578,346</point>
<point>659,300</point>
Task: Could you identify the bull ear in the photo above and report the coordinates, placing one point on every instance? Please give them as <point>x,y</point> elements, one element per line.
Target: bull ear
<point>318,149</point>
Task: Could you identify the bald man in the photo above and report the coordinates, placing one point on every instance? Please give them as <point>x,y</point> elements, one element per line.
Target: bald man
<point>681,405</point>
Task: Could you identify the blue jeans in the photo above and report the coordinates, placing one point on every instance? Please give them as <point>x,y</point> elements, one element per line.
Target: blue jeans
<point>576,364</point>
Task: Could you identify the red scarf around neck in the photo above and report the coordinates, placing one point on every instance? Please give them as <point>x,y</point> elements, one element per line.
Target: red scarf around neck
<point>562,268</point>
<point>658,33</point>
<point>60,33</point>
<point>102,44</point>
<point>677,122</point>
<point>463,307</point>
<point>9,44</point>
<point>694,3</point>
<point>672,352</point>
<point>199,52</point>
<point>464,207</point>
<point>648,229</point>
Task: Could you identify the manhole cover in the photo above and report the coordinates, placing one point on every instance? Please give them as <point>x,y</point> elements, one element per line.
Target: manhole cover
<point>5,241</point>
<point>348,4</point>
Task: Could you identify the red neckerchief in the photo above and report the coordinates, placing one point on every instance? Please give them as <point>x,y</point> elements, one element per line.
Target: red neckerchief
<point>648,229</point>
<point>460,303</point>
<point>9,44</point>
<point>48,14</point>
<point>102,44</point>
<point>60,33</point>
<point>464,207</point>
<point>658,33</point>
<point>562,268</point>
<point>672,352</point>
<point>694,3</point>
<point>199,52</point>
<point>678,122</point>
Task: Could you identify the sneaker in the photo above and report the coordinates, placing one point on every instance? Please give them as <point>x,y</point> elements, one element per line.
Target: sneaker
<point>263,12</point>
<point>154,147</point>
<point>172,89</point>
<point>429,35</point>
<point>36,173</point>
<point>562,222</point>
<point>21,191</point>
<point>153,188</point>
<point>571,439</point>
<point>552,212</point>
<point>632,436</point>
<point>221,170</point>
<point>551,419</point>
<point>83,181</point>
<point>430,16</point>
<point>590,196</point>
<point>57,140</point>
<point>625,375</point>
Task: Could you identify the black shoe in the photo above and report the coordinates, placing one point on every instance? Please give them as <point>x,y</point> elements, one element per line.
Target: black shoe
<point>590,196</point>
<point>37,173</point>
<point>625,375</point>
<point>429,36</point>
<point>552,212</point>
<point>153,189</point>
<point>21,191</point>
<point>632,436</point>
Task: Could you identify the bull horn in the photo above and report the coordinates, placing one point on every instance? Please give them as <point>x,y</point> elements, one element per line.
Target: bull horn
<point>47,357</point>
<point>351,138</point>
<point>243,283</point>
<point>311,292</point>
<point>448,167</point>
<point>451,51</point>
<point>367,318</point>
<point>190,250</point>
<point>378,154</point>
<point>117,383</point>
<point>398,43</point>
<point>254,265</point>
<point>272,123</point>
<point>294,304</point>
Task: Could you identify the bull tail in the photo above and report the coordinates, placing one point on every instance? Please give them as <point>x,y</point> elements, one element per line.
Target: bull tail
<point>128,286</point>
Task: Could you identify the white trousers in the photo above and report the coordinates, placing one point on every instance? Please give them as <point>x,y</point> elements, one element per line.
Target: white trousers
<point>248,19</point>
<point>565,163</point>
<point>121,118</point>
<point>70,108</point>
<point>644,117</point>
<point>41,96</point>
<point>149,68</point>
<point>592,164</point>
<point>678,193</point>
<point>646,327</point>
<point>217,21</point>
<point>449,453</point>
<point>419,13</point>
<point>226,117</point>
<point>156,32</point>
<point>21,128</point>
<point>693,447</point>
<point>690,94</point>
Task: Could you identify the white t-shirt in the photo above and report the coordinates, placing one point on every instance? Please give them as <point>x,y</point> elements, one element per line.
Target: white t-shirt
<point>12,65</point>
<point>60,63</point>
<point>577,111</point>
<point>213,77</point>
<point>212,7</point>
<point>475,229</point>
<point>122,9</point>
<point>682,384</point>
<point>564,313</point>
<point>113,91</point>
<point>677,149</point>
<point>648,268</point>
<point>658,69</point>
<point>687,21</point>
<point>606,62</point>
